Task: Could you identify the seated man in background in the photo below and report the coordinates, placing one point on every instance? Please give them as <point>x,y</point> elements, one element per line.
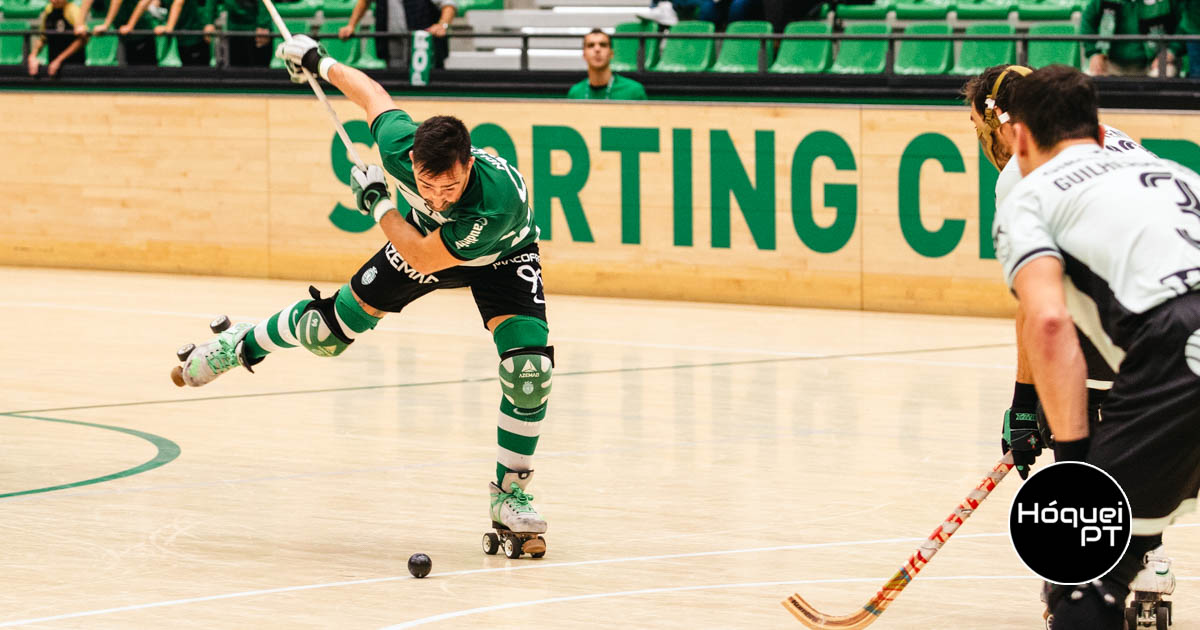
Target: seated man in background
<point>405,16</point>
<point>1129,17</point>
<point>59,20</point>
<point>193,50</point>
<point>602,83</point>
<point>242,16</point>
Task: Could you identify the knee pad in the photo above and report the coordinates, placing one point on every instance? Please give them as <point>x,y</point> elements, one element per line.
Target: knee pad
<point>318,328</point>
<point>526,363</point>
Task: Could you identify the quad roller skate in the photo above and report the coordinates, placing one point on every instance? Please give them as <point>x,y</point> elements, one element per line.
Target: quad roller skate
<point>201,364</point>
<point>518,525</point>
<point>1147,608</point>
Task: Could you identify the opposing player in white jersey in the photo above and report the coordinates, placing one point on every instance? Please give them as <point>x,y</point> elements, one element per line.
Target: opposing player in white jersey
<point>989,97</point>
<point>1110,241</point>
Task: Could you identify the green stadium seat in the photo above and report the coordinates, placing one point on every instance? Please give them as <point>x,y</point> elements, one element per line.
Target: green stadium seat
<point>12,46</point>
<point>294,27</point>
<point>475,5</point>
<point>102,50</point>
<point>923,9</point>
<point>23,9</point>
<point>860,56</point>
<point>687,55</point>
<point>984,9</point>
<point>625,50</point>
<point>168,52</point>
<point>368,59</point>
<point>877,11</point>
<point>741,55</point>
<point>297,9</point>
<point>1036,10</point>
<point>807,56</point>
<point>1048,53</point>
<point>977,56</point>
<point>926,56</point>
<point>344,51</point>
<point>337,8</point>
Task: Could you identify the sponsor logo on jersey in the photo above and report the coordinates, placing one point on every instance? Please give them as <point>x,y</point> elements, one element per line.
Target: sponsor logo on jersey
<point>472,237</point>
<point>369,275</point>
<point>519,258</point>
<point>401,265</point>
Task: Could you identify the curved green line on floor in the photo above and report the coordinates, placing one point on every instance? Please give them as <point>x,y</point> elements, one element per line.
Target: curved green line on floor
<point>167,452</point>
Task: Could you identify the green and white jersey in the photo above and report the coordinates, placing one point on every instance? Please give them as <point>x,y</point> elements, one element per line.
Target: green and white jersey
<point>490,220</point>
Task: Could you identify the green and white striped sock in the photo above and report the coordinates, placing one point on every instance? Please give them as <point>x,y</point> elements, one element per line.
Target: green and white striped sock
<point>279,330</point>
<point>516,437</point>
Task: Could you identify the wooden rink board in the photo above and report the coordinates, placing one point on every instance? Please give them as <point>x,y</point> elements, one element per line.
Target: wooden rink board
<point>244,186</point>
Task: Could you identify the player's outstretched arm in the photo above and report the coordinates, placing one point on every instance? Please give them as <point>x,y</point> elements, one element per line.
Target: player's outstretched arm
<point>303,51</point>
<point>1052,348</point>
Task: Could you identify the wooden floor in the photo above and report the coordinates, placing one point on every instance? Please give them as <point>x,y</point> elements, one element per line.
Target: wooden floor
<point>699,463</point>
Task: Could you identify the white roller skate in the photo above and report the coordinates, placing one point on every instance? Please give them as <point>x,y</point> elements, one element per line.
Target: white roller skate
<point>202,364</point>
<point>1147,608</point>
<point>517,523</point>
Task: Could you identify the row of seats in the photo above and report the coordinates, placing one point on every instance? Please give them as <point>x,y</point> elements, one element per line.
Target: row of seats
<point>852,56</point>
<point>302,9</point>
<point>102,50</point>
<point>1031,10</point>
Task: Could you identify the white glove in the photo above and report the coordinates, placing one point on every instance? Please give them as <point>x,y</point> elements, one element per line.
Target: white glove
<point>302,51</point>
<point>370,191</point>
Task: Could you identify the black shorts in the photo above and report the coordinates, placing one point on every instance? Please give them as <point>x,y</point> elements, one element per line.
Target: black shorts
<point>1148,438</point>
<point>510,286</point>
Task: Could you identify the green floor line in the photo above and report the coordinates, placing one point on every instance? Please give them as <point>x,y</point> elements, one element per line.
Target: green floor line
<point>167,452</point>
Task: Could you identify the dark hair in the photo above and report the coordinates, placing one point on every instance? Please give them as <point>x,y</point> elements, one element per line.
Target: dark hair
<point>440,143</point>
<point>598,31</point>
<point>977,89</point>
<point>1057,103</point>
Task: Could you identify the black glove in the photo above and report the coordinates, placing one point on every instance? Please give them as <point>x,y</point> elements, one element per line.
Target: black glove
<point>1020,432</point>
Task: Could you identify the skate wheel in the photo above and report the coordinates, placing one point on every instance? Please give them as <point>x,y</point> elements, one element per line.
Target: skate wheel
<point>1131,618</point>
<point>220,324</point>
<point>541,553</point>
<point>185,351</point>
<point>1162,618</point>
<point>491,544</point>
<point>512,547</point>
<point>177,376</point>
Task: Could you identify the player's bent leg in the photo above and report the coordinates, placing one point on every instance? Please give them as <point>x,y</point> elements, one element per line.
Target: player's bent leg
<point>324,326</point>
<point>526,369</point>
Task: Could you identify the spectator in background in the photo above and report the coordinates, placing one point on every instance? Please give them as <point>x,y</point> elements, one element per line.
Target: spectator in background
<point>602,83</point>
<point>719,12</point>
<point>185,14</point>
<point>57,25</point>
<point>780,13</point>
<point>404,16</point>
<point>139,49</point>
<point>242,16</point>
<point>1189,23</point>
<point>1128,17</point>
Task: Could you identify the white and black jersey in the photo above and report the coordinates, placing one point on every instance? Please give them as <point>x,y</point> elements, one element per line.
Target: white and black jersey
<point>1126,227</point>
<point>1115,140</point>
<point>1100,374</point>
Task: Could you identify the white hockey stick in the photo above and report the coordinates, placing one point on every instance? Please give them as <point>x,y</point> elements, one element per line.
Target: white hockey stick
<point>870,611</point>
<point>316,88</point>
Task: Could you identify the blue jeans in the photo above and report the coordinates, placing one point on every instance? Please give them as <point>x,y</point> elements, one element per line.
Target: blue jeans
<point>1193,54</point>
<point>719,13</point>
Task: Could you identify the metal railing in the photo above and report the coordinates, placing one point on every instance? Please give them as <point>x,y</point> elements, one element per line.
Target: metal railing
<point>645,40</point>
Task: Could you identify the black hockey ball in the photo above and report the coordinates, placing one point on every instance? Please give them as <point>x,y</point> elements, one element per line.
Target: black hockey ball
<point>419,565</point>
